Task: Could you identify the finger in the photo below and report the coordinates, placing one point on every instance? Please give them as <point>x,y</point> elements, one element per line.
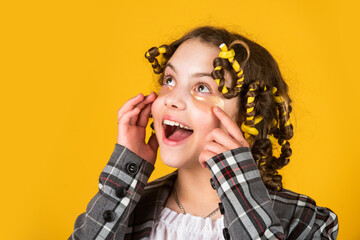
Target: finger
<point>144,116</point>
<point>147,100</point>
<point>215,147</point>
<point>229,124</point>
<point>219,136</point>
<point>204,156</point>
<point>128,117</point>
<point>153,143</point>
<point>130,104</point>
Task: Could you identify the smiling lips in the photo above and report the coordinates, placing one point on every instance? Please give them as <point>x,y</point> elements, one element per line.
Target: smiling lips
<point>175,132</point>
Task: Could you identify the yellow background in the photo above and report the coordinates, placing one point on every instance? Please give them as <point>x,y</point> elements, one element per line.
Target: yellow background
<point>68,66</point>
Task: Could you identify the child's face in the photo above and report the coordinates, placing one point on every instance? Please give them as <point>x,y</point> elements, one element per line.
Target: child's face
<point>187,97</point>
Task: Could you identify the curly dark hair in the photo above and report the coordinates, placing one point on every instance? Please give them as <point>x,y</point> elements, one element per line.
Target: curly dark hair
<point>261,76</point>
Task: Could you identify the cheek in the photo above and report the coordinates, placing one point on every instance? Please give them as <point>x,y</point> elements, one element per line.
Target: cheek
<point>203,115</point>
<point>164,90</point>
<point>155,107</point>
<point>231,108</point>
<point>205,104</point>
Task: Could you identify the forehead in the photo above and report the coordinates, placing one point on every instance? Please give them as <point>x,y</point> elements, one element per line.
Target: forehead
<point>193,54</point>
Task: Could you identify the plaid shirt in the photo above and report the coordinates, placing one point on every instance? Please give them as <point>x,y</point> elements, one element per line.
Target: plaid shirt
<point>126,206</point>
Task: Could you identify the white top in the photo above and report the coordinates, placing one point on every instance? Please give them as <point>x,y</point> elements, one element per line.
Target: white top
<point>171,225</point>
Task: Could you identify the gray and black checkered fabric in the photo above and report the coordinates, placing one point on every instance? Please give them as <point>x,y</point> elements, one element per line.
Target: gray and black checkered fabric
<point>126,205</point>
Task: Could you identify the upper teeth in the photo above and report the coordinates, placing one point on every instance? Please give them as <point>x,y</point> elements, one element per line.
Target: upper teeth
<point>172,123</point>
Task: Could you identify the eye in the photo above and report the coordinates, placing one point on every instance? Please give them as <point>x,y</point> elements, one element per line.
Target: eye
<point>202,88</point>
<point>169,80</point>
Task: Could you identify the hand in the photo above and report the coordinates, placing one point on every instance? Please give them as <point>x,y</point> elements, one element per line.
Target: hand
<point>133,118</point>
<point>225,138</point>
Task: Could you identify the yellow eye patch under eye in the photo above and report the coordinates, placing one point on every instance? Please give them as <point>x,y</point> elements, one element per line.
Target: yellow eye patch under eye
<point>208,102</point>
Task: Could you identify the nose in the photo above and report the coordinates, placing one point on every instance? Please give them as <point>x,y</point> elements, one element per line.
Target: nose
<point>175,100</point>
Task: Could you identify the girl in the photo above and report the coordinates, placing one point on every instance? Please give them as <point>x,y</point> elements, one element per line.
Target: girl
<point>218,116</point>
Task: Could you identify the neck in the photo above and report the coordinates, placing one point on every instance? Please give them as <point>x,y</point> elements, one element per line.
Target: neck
<point>192,185</point>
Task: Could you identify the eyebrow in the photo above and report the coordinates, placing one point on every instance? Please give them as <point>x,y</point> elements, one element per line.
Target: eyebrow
<point>200,74</point>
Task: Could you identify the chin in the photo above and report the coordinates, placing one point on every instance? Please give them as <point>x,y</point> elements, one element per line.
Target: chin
<point>176,158</point>
<point>170,163</point>
<point>171,159</point>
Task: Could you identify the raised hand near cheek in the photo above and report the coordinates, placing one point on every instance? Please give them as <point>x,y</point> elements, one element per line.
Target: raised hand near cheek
<point>223,139</point>
<point>133,118</point>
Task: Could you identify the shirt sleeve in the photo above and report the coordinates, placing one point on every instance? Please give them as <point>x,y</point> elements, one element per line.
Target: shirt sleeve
<point>249,210</point>
<point>121,184</point>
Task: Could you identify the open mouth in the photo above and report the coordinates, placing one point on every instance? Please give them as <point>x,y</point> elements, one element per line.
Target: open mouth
<point>175,131</point>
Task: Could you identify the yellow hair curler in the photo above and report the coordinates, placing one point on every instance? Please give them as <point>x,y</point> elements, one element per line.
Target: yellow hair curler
<point>225,90</point>
<point>162,50</point>
<point>230,54</point>
<point>248,130</point>
<point>218,68</point>
<point>272,139</point>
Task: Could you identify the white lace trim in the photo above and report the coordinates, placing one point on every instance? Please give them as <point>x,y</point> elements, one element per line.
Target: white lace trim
<point>171,225</point>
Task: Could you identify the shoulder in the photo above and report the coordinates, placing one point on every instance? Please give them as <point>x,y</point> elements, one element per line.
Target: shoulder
<point>298,213</point>
<point>291,198</point>
<point>288,202</point>
<point>289,205</point>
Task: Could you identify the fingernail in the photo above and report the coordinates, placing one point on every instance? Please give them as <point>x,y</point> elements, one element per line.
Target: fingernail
<point>217,109</point>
